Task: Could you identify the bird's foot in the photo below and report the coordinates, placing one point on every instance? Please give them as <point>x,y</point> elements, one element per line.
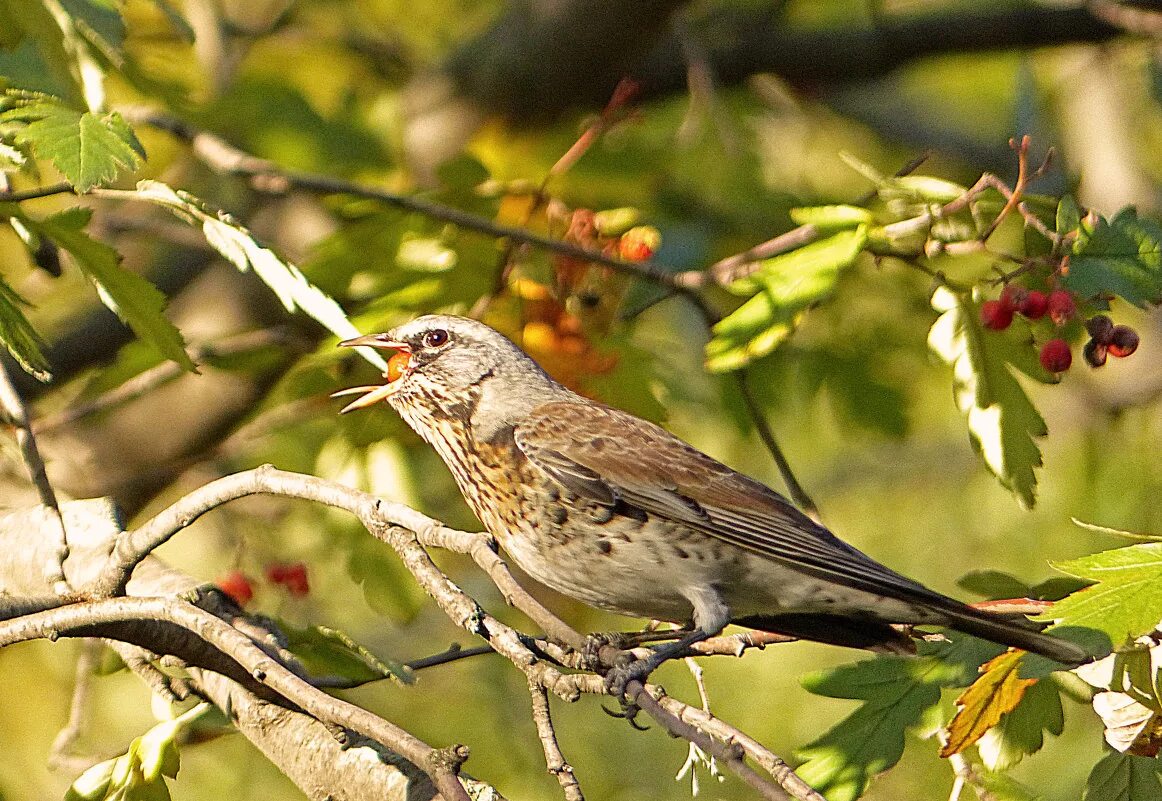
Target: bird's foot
<point>618,677</point>
<point>594,655</point>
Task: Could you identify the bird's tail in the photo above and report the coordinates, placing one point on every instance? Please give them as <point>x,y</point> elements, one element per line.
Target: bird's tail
<point>996,628</point>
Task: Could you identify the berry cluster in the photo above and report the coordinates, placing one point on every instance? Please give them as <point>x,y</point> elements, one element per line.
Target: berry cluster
<point>240,587</point>
<point>1107,338</point>
<point>1061,307</point>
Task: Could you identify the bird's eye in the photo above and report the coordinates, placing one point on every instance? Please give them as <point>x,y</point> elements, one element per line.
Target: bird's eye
<point>435,338</point>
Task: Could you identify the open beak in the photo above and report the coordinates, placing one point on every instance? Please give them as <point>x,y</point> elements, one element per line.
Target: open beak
<point>397,369</point>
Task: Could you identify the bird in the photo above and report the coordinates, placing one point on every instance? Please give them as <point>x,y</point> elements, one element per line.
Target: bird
<point>620,514</point>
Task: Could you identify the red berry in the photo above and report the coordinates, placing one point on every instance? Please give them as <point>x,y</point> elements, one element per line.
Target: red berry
<point>1061,306</point>
<point>1100,328</point>
<point>996,315</point>
<point>1034,305</point>
<point>237,585</point>
<point>1014,296</point>
<point>292,576</point>
<point>1056,356</point>
<point>1095,353</point>
<point>1123,341</point>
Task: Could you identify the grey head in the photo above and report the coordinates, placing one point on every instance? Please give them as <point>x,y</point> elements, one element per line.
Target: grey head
<point>455,366</point>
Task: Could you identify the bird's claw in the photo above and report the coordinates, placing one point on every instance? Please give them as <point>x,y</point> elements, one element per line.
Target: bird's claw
<point>618,677</point>
<point>629,711</point>
<point>591,656</point>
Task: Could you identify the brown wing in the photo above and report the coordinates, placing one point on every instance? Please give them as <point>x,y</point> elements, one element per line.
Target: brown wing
<point>607,455</point>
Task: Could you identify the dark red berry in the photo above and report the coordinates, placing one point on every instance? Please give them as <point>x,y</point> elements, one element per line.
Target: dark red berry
<point>1056,356</point>
<point>292,576</point>
<point>1100,327</point>
<point>1034,305</point>
<point>1123,341</point>
<point>1095,353</point>
<point>1014,296</point>
<point>1061,306</point>
<point>238,586</point>
<point>996,315</point>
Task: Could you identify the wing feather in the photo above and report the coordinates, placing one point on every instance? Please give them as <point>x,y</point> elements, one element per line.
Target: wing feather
<point>607,455</point>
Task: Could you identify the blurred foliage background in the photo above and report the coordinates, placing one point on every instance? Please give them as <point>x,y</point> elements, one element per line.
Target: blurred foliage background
<point>436,96</point>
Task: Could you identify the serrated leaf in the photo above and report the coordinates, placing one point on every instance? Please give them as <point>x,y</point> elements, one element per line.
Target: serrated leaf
<point>237,245</point>
<point>996,692</point>
<point>1126,599</point>
<point>1022,730</point>
<point>1117,532</point>
<point>898,694</point>
<point>787,286</point>
<point>330,652</point>
<point>19,337</point>
<point>1002,421</point>
<point>89,149</point>
<point>136,301</point>
<point>1122,256</point>
<point>1124,777</point>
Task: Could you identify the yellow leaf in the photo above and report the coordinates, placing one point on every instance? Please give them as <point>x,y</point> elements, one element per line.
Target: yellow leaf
<point>981,706</point>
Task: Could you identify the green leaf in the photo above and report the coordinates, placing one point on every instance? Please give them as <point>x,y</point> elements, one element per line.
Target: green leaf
<point>425,255</point>
<point>1122,256</point>
<point>993,584</point>
<point>330,652</point>
<point>1125,600</point>
<point>1068,215</point>
<point>89,149</point>
<point>1022,730</point>
<point>787,286</point>
<point>18,335</point>
<point>236,244</point>
<point>1002,421</point>
<point>178,22</point>
<point>827,218</point>
<point>899,693</point>
<point>1124,777</point>
<point>136,301</point>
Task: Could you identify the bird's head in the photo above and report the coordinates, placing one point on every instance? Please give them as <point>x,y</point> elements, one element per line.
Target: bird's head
<point>440,358</point>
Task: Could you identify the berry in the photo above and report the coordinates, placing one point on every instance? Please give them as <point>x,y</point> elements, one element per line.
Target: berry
<point>292,576</point>
<point>1061,306</point>
<point>1100,328</point>
<point>1034,305</point>
<point>1056,356</point>
<point>1123,341</point>
<point>237,585</point>
<point>397,365</point>
<point>996,315</point>
<point>1095,353</point>
<point>1014,296</point>
<point>639,243</point>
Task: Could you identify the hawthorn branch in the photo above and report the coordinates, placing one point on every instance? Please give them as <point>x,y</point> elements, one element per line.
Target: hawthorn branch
<point>554,760</point>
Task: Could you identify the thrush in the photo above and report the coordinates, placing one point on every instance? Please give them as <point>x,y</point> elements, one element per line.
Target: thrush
<point>618,513</point>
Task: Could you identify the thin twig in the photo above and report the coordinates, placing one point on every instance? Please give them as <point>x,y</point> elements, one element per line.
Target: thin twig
<point>454,653</point>
<point>13,410</point>
<point>794,488</point>
<point>48,190</point>
<point>554,760</point>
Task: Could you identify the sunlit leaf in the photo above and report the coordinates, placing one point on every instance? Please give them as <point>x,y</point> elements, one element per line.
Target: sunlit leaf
<point>1022,730</point>
<point>1002,421</point>
<point>1122,256</point>
<point>89,149</point>
<point>786,286</point>
<point>1125,601</point>
<point>994,693</point>
<point>828,218</point>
